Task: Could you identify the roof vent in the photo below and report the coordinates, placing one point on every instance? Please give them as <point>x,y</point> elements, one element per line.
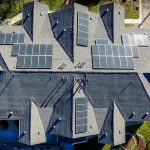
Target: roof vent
<point>107,10</point>
<point>131,33</point>
<point>24,132</point>
<point>65,78</point>
<point>119,12</point>
<point>64,30</point>
<point>133,114</point>
<point>59,118</point>
<point>106,134</point>
<point>145,115</point>
<point>10,114</point>
<point>77,65</point>
<point>54,126</point>
<point>28,14</point>
<point>145,33</point>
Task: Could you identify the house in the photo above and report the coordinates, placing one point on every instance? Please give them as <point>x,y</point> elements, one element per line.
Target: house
<point>70,75</point>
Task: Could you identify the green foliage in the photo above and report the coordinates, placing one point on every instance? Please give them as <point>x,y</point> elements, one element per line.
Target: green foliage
<point>131,11</point>
<point>107,147</point>
<point>10,8</point>
<point>53,4</point>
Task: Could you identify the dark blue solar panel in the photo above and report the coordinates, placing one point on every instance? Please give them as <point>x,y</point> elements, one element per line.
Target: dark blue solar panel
<point>101,41</point>
<point>27,19</point>
<point>15,50</point>
<point>8,37</point>
<point>11,38</point>
<point>62,26</point>
<point>83,29</point>
<point>81,115</point>
<point>106,13</point>
<point>135,51</point>
<point>2,38</point>
<point>113,56</point>
<point>15,38</point>
<point>21,38</point>
<point>33,55</point>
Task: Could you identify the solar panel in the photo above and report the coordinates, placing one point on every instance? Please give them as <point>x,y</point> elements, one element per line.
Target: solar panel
<point>11,38</point>
<point>113,56</point>
<point>135,52</point>
<point>101,41</point>
<point>83,29</point>
<point>33,55</point>
<point>81,115</point>
<point>135,40</point>
<point>141,40</point>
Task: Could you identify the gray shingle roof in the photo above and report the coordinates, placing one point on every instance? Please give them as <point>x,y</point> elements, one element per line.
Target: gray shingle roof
<point>107,15</point>
<point>53,92</point>
<point>62,25</point>
<point>56,90</point>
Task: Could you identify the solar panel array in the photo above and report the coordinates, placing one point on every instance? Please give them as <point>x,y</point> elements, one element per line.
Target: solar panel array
<point>33,55</point>
<point>137,40</point>
<point>114,56</point>
<point>11,38</point>
<point>81,115</point>
<point>83,29</point>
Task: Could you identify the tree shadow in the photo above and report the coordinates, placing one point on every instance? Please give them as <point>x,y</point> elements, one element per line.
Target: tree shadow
<point>132,129</point>
<point>88,2</point>
<point>89,145</point>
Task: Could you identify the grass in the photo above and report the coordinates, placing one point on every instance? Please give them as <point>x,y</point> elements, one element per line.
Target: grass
<point>128,25</point>
<point>131,10</point>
